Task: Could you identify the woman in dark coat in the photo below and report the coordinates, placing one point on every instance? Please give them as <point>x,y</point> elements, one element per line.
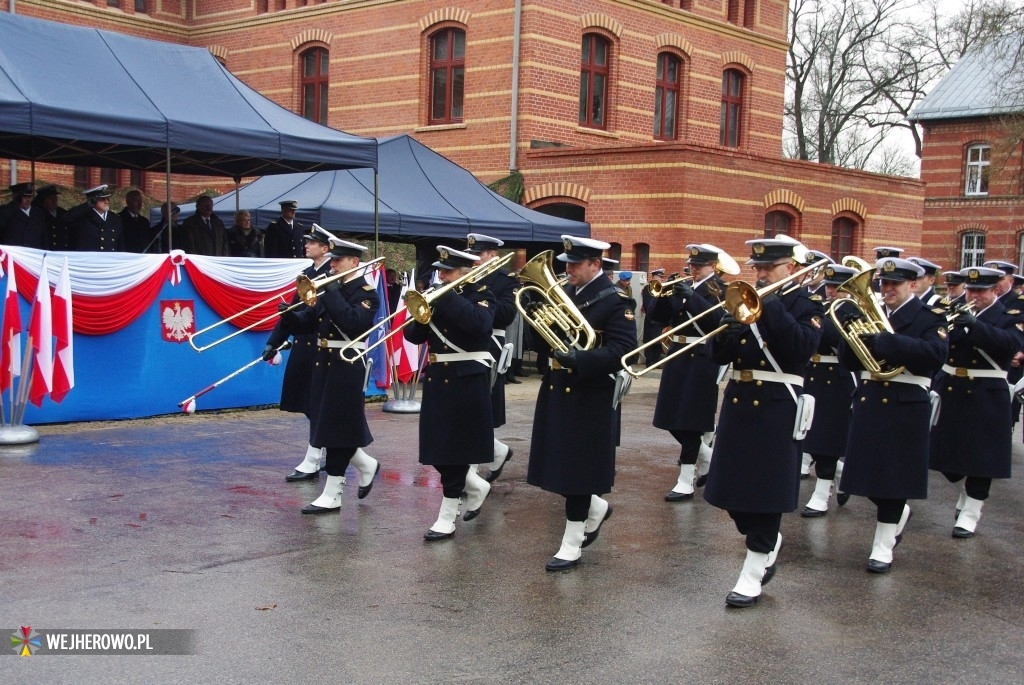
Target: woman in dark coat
<point>456,429</point>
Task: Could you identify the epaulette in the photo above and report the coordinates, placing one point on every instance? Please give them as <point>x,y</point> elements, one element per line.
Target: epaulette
<point>368,287</point>
<point>623,295</point>
<point>1013,312</point>
<point>816,298</point>
<point>941,311</point>
<point>481,288</point>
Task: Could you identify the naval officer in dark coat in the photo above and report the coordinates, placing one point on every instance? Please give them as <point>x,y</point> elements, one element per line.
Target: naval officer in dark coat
<point>887,453</point>
<point>688,391</point>
<point>284,237</point>
<point>295,396</point>
<point>755,470</point>
<point>344,311</point>
<point>95,227</point>
<point>456,429</point>
<point>22,222</point>
<point>972,386</point>
<point>503,286</point>
<point>832,388</point>
<point>572,452</point>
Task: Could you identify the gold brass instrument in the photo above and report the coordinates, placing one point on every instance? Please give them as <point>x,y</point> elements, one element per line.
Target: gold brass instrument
<point>664,288</point>
<point>552,314</point>
<point>419,306</point>
<point>854,262</point>
<point>741,300</point>
<point>872,320</point>
<point>307,290</point>
<point>953,314</point>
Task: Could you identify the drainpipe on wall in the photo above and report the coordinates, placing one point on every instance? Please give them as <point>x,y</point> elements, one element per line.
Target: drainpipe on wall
<point>514,126</point>
<point>14,163</point>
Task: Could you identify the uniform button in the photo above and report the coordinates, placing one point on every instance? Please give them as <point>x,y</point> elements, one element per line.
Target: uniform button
<point>551,387</point>
<point>738,360</point>
<point>811,379</point>
<point>828,382</point>
<point>446,381</point>
<point>885,384</point>
<point>756,403</point>
<point>763,362</point>
<point>567,390</point>
<point>743,341</point>
<point>735,400</point>
<point>863,399</point>
<point>885,400</point>
<point>446,363</point>
<point>759,384</point>
<point>429,379</point>
<point>970,392</point>
<point>949,388</point>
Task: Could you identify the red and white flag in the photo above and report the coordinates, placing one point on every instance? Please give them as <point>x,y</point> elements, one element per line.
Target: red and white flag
<point>64,363</point>
<point>10,333</point>
<point>41,330</point>
<point>404,355</point>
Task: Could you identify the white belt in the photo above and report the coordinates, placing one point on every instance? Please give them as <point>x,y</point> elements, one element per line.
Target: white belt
<point>961,372</point>
<point>825,359</point>
<point>747,375</point>
<point>482,357</point>
<point>902,378</point>
<point>500,332</point>
<point>336,344</point>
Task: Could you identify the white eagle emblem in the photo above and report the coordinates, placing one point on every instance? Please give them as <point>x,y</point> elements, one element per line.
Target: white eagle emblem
<point>177,322</point>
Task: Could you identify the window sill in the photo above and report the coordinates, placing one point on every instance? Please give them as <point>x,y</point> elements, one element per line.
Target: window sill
<point>975,196</point>
<point>597,132</point>
<point>439,127</point>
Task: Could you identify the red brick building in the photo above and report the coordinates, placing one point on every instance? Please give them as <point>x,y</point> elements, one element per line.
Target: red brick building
<point>658,122</point>
<point>974,201</point>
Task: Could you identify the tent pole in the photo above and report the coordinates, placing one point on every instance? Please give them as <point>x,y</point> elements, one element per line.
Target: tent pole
<point>237,181</point>
<point>376,214</point>
<point>170,207</point>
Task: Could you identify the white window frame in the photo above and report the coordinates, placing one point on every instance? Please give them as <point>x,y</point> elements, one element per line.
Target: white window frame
<point>972,249</point>
<point>976,176</point>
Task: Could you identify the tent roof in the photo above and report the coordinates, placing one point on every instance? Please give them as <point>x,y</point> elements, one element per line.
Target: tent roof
<point>422,194</point>
<point>74,95</point>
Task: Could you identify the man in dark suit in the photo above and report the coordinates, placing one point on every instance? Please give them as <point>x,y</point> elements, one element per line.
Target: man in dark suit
<point>456,430</point>
<point>575,429</point>
<point>284,236</point>
<point>139,235</point>
<point>58,236</point>
<point>755,468</point>
<point>887,453</point>
<point>972,385</point>
<point>94,228</point>
<point>204,233</point>
<point>21,223</point>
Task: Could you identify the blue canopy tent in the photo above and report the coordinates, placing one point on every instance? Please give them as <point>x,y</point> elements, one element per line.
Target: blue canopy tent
<point>75,95</point>
<point>421,195</point>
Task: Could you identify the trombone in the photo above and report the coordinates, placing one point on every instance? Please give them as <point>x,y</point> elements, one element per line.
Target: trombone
<point>664,288</point>
<point>419,307</point>
<point>741,300</point>
<point>307,290</point>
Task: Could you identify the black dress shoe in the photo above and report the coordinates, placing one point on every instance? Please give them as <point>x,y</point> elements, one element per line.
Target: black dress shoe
<point>314,509</point>
<point>878,566</point>
<point>842,498</point>
<point>493,475</point>
<point>589,538</point>
<point>301,475</point>
<point>556,564</point>
<point>364,490</point>
<point>735,599</point>
<point>809,513</point>
<point>701,480</point>
<point>962,533</point>
<point>513,381</point>
<point>434,536</point>
<point>674,496</point>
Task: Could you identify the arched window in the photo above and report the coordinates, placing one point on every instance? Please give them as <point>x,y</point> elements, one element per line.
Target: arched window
<point>749,12</point>
<point>315,63</point>
<point>972,249</point>
<point>447,76</point>
<point>843,229</point>
<point>666,96</point>
<point>777,222</point>
<point>732,108</point>
<point>594,81</point>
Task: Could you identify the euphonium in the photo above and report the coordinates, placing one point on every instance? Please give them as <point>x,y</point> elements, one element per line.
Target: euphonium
<point>871,320</point>
<point>551,313</point>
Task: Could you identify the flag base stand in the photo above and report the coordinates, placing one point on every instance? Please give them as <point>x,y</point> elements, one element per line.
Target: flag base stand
<point>402,407</point>
<point>18,435</point>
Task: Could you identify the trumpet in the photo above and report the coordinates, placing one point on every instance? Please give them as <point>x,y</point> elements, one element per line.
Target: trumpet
<point>553,316</point>
<point>419,306</point>
<point>741,300</point>
<point>953,314</point>
<point>307,290</point>
<point>664,288</point>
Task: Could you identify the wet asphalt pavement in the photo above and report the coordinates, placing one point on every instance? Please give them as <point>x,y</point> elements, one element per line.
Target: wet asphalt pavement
<point>187,522</point>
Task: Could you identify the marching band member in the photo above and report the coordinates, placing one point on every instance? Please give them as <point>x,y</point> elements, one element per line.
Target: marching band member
<point>755,468</point>
<point>337,419</point>
<point>688,392</point>
<point>574,428</point>
<point>887,454</point>
<point>925,288</point>
<point>503,286</point>
<point>295,395</point>
<point>456,429</point>
<point>832,387</point>
<point>954,289</point>
<point>972,385</point>
<point>652,325</point>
